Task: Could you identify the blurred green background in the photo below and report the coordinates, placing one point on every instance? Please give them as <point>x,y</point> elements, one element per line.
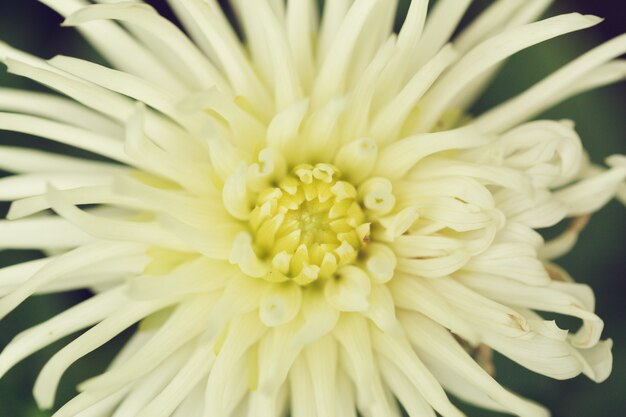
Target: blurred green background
<point>599,259</point>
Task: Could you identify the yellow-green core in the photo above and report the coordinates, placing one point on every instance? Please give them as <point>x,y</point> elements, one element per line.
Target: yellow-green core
<point>308,225</point>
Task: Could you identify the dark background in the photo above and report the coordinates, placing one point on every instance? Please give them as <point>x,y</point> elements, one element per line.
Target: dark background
<point>599,259</point>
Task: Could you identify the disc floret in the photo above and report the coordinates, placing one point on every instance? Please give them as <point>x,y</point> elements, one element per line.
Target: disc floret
<point>308,224</point>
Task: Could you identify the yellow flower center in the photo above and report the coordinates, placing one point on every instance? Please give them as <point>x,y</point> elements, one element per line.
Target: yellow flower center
<point>308,224</point>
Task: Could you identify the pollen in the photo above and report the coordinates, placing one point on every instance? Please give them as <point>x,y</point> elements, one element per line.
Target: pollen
<point>308,225</point>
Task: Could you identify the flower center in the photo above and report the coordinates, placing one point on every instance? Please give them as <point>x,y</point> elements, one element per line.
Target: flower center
<point>308,224</point>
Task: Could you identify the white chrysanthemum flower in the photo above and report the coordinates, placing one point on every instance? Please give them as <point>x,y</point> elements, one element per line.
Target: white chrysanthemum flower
<point>307,221</point>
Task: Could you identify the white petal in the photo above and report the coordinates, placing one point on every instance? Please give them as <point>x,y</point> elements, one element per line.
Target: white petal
<point>400,353</point>
<point>42,232</point>
<point>349,291</point>
<point>27,185</point>
<point>492,19</point>
<point>302,23</point>
<point>83,315</point>
<point>119,47</point>
<point>389,121</point>
<point>356,159</point>
<point>144,17</point>
<point>267,37</point>
<point>382,310</point>
<point>99,276</point>
<point>83,195</point>
<point>284,130</point>
<point>434,267</point>
<point>235,194</point>
<point>608,73</point>
<point>413,402</point>
<point>66,134</point>
<point>484,314</point>
<point>440,24</point>
<point>14,275</point>
<point>56,108</point>
<point>486,174</point>
<point>413,294</point>
<point>303,403</point>
<point>321,358</point>
<point>244,130</point>
<point>7,52</point>
<point>224,379</point>
<point>591,194</point>
<point>597,361</point>
<point>193,404</point>
<point>335,67</point>
<point>48,380</point>
<point>184,324</point>
<point>71,261</point>
<point>112,229</point>
<point>280,304</point>
<point>213,27</point>
<point>276,356</point>
<point>25,160</point>
<point>232,391</point>
<point>195,369</point>
<point>241,295</point>
<point>321,129</point>
<point>537,98</point>
<point>102,100</point>
<point>537,211</point>
<point>462,188</point>
<point>135,395</point>
<point>127,84</point>
<point>398,67</point>
<point>191,173</point>
<point>380,262</point>
<point>84,401</point>
<point>363,91</point>
<point>200,275</point>
<point>334,12</point>
<point>106,406</point>
<point>243,254</point>
<point>201,212</point>
<point>397,159</point>
<point>517,261</point>
<point>319,318</point>
<point>354,336</point>
<point>345,400</point>
<point>432,340</point>
<point>398,223</point>
<point>489,53</point>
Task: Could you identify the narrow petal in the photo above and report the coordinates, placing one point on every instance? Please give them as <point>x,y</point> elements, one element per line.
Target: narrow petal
<point>533,101</point>
<point>69,262</point>
<point>66,134</point>
<point>48,232</point>
<point>229,54</point>
<point>195,369</point>
<point>56,108</point>
<point>83,315</point>
<point>302,24</point>
<point>48,380</point>
<point>441,345</point>
<point>34,185</point>
<point>119,47</point>
<point>441,23</point>
<point>489,53</point>
<point>399,352</point>
<point>181,326</point>
<point>145,17</point>
<point>397,159</point>
<point>413,402</point>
